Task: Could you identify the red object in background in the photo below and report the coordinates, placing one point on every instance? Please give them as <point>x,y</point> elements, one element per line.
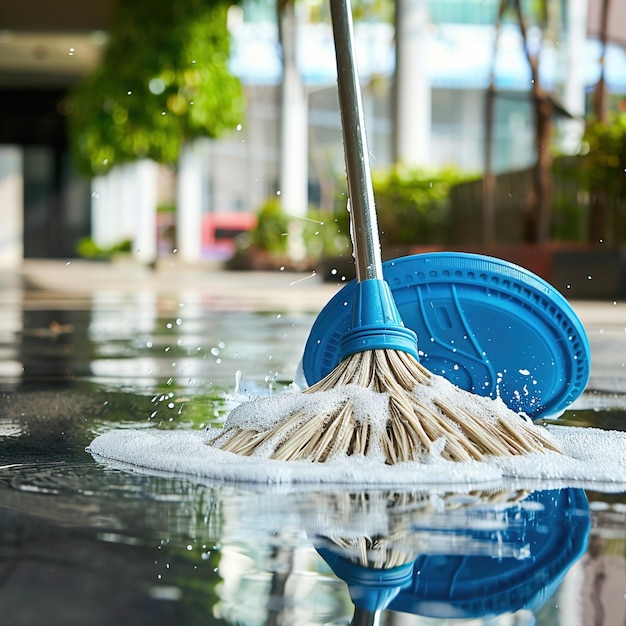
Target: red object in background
<point>219,231</point>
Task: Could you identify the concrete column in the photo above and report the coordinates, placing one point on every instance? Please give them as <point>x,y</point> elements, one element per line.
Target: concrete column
<point>294,121</point>
<point>123,206</point>
<point>413,115</point>
<point>574,89</point>
<point>12,203</point>
<point>189,205</point>
<point>294,159</point>
<point>145,242</point>
<point>107,209</point>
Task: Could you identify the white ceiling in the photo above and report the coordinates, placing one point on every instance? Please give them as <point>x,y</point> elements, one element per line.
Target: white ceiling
<point>48,59</point>
<point>51,42</point>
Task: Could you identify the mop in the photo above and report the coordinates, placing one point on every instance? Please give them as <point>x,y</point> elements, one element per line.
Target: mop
<point>379,402</point>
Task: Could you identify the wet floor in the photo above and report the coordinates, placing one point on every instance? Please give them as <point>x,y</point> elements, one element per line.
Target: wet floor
<point>85,348</point>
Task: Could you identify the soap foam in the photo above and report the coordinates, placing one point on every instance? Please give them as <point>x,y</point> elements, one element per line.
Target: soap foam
<point>592,457</point>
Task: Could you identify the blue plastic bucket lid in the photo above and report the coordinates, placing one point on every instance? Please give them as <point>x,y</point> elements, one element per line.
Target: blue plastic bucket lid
<point>555,535</point>
<point>489,326</point>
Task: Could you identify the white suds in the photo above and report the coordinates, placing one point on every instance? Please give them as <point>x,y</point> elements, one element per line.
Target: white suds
<point>591,456</point>
<point>186,452</point>
<point>263,413</point>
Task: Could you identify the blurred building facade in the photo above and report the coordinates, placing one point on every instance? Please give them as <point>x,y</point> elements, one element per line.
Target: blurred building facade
<point>46,47</point>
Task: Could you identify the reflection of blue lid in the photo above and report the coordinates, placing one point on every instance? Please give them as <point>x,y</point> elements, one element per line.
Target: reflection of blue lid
<point>371,589</point>
<point>466,586</point>
<point>487,325</point>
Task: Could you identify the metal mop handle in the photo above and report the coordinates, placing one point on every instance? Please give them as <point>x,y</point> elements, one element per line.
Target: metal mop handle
<point>365,236</point>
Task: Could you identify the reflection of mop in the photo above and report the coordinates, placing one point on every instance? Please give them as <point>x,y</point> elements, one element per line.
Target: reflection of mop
<point>515,561</point>
<point>369,539</point>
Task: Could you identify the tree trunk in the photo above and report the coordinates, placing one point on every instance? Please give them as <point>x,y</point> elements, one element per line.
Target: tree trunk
<point>542,173</point>
<point>539,214</point>
<point>598,208</point>
<point>489,179</point>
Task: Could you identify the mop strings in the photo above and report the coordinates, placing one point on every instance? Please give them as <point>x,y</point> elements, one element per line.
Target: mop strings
<point>418,414</point>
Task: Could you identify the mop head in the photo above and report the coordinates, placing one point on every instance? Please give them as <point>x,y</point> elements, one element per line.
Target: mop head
<point>383,405</point>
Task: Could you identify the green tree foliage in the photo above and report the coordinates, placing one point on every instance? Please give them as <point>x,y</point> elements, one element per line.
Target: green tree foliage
<point>324,234</point>
<point>164,79</point>
<point>604,164</point>
<point>413,205</point>
<point>599,171</point>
